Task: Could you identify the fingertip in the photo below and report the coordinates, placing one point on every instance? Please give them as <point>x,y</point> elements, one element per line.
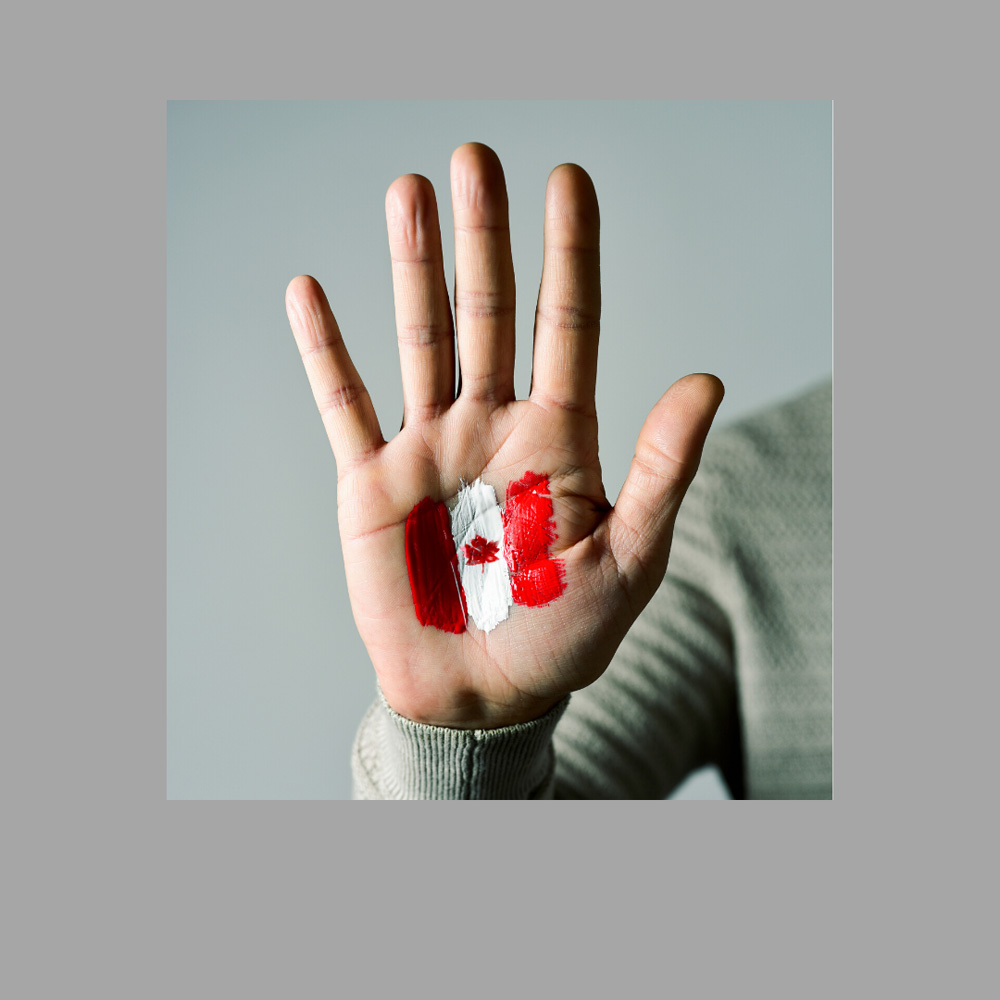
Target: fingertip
<point>408,191</point>
<point>680,421</point>
<point>572,172</point>
<point>474,153</point>
<point>572,215</point>
<point>308,310</point>
<point>299,281</point>
<point>301,291</point>
<point>701,389</point>
<point>411,217</point>
<point>570,183</point>
<point>477,178</point>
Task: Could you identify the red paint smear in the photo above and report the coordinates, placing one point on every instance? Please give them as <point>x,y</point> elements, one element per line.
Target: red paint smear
<point>432,563</point>
<point>481,550</point>
<point>528,531</point>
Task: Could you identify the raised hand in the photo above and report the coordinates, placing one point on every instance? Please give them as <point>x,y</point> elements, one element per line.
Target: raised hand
<point>397,499</point>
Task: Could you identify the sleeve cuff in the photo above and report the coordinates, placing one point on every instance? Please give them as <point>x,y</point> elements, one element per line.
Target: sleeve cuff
<point>396,758</point>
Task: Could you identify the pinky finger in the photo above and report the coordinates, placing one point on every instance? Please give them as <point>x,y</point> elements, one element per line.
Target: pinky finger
<point>343,400</point>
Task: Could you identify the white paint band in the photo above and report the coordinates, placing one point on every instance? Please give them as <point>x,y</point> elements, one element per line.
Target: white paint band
<point>476,518</point>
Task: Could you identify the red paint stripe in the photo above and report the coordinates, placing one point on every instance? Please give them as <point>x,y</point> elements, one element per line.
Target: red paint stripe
<point>432,563</point>
<point>528,532</point>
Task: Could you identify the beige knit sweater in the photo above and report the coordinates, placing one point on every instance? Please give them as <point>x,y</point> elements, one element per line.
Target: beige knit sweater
<point>730,664</point>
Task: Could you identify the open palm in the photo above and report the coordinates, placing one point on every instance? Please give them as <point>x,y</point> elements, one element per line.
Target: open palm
<point>612,559</point>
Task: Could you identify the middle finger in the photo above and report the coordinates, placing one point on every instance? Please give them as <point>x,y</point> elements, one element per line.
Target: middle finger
<point>484,275</point>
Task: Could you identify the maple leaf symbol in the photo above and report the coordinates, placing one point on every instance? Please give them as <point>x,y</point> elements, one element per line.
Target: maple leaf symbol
<point>480,550</point>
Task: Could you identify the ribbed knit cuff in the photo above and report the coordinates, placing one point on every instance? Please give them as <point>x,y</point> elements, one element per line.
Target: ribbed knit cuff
<point>396,758</point>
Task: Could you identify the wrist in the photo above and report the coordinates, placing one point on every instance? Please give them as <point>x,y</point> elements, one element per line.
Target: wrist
<point>467,710</point>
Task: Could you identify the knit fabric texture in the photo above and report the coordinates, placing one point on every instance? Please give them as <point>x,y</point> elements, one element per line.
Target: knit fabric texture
<point>730,664</point>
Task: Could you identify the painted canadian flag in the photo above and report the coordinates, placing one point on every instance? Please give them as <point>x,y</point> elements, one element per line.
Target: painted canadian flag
<point>469,558</point>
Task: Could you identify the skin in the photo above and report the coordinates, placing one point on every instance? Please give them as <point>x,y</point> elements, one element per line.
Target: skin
<point>614,557</point>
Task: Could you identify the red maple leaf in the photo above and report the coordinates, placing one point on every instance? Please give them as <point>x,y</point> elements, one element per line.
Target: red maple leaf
<point>479,550</point>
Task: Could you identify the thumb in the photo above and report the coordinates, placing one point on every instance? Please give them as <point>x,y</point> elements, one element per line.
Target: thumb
<point>666,458</point>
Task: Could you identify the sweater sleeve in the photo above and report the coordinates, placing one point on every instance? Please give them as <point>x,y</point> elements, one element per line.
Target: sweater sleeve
<point>396,758</point>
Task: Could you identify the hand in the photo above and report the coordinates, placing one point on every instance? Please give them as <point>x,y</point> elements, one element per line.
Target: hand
<point>611,560</point>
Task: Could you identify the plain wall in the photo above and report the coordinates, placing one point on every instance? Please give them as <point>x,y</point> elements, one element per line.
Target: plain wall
<point>716,256</point>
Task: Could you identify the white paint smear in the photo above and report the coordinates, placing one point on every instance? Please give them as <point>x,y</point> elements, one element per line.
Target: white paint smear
<point>475,522</point>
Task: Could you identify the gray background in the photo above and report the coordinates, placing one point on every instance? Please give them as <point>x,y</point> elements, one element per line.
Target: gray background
<point>717,256</point>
